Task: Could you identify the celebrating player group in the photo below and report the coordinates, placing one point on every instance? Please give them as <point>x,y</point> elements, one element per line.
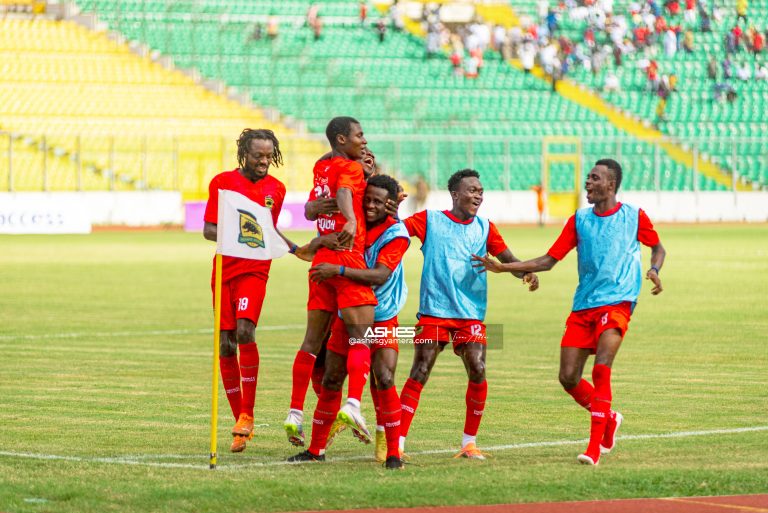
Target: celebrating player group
<point>357,289</point>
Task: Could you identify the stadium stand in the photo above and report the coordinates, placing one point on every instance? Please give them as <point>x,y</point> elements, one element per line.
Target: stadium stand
<point>83,112</point>
<point>390,86</point>
<point>694,114</point>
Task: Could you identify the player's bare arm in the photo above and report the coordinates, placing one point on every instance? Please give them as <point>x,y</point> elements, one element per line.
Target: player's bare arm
<point>347,234</point>
<point>535,265</point>
<point>209,231</point>
<point>376,276</point>
<point>658,253</point>
<point>307,251</point>
<point>506,257</point>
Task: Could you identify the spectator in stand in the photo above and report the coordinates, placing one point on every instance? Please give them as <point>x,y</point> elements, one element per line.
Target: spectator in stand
<point>712,68</point>
<point>317,27</point>
<point>741,10</point>
<point>589,37</point>
<point>690,12</point>
<point>722,91</point>
<point>670,43</point>
<point>731,43</point>
<point>433,39</point>
<point>612,84</point>
<point>706,23</point>
<point>673,6</point>
<point>381,29</point>
<point>688,41</point>
<point>743,72</point>
<point>542,8</point>
<point>664,92</point>
<point>456,62</point>
<point>757,41</point>
<point>363,12</point>
<point>499,39</point>
<point>551,22</point>
<point>527,54</point>
<point>727,68</point>
<point>652,72</point>
<point>312,14</point>
<point>273,27</point>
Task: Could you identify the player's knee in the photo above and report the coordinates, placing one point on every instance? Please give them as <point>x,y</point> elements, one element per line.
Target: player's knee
<point>227,347</point>
<point>384,379</point>
<point>333,381</point>
<point>420,372</point>
<point>476,370</point>
<point>244,335</point>
<point>568,379</point>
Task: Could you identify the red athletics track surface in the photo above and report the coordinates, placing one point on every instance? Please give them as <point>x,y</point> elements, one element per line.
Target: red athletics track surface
<point>719,504</point>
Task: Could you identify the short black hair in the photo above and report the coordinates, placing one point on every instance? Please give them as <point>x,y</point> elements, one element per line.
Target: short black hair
<point>458,176</point>
<point>615,167</point>
<point>341,125</point>
<point>387,183</point>
<point>264,134</point>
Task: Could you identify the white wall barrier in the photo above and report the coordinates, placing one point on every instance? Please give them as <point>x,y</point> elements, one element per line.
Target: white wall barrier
<point>75,212</point>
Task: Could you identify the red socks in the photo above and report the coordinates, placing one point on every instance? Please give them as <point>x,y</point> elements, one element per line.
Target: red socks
<point>325,413</point>
<point>230,376</point>
<point>390,418</point>
<point>475,399</point>
<point>582,393</point>
<point>358,367</point>
<point>409,401</point>
<point>249,371</point>
<point>317,379</point>
<point>302,373</point>
<point>600,409</point>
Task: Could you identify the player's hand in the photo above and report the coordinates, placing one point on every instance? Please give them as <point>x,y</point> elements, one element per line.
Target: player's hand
<point>324,205</point>
<point>654,277</point>
<point>321,272</point>
<point>532,280</point>
<point>347,234</point>
<point>487,263</point>
<point>304,253</point>
<point>330,241</point>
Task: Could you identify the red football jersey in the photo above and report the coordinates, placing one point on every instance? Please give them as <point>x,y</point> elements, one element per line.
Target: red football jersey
<point>268,192</point>
<point>330,175</point>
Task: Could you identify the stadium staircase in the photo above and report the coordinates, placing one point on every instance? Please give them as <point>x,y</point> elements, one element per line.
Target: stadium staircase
<point>83,112</point>
<point>692,114</point>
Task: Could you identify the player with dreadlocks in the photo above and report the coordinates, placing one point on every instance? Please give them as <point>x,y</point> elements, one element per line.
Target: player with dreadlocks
<point>244,281</point>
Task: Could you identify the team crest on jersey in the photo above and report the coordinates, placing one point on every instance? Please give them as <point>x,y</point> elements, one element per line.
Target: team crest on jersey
<point>250,230</point>
<point>269,202</point>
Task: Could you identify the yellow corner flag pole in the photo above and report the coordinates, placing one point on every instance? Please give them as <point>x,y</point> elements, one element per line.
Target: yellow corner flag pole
<point>215,371</point>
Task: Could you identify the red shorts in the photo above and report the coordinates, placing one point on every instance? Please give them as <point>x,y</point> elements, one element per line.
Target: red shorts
<point>339,342</point>
<point>340,292</point>
<point>583,328</point>
<point>241,298</point>
<point>458,331</point>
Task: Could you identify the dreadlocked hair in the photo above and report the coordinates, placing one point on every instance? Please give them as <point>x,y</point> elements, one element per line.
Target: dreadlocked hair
<point>263,134</point>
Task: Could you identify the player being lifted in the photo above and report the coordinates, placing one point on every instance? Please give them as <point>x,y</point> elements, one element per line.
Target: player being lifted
<point>340,177</point>
<point>244,281</point>
<point>453,299</point>
<point>607,238</point>
<point>386,242</point>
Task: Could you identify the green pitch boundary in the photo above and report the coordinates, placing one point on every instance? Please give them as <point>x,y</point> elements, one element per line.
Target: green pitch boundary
<point>145,459</point>
<point>717,504</point>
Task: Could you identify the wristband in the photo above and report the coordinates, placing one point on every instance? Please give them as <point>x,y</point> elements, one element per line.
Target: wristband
<point>293,249</point>
<point>654,268</point>
<point>341,270</point>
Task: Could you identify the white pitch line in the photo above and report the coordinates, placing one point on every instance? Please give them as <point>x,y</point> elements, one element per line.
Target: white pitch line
<point>201,331</point>
<point>140,460</point>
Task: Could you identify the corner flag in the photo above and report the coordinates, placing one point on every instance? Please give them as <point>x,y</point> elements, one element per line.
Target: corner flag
<point>244,229</point>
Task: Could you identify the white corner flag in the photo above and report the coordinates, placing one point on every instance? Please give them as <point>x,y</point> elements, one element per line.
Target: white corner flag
<point>245,229</point>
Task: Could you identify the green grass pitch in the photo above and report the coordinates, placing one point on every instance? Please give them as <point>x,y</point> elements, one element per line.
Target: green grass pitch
<point>105,366</point>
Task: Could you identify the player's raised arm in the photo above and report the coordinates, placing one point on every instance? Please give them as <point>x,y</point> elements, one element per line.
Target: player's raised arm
<point>344,199</point>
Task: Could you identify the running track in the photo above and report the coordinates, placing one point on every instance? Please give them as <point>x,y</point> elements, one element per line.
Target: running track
<point>720,504</point>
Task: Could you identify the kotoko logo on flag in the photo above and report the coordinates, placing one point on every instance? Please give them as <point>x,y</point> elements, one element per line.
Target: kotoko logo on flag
<point>250,231</point>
